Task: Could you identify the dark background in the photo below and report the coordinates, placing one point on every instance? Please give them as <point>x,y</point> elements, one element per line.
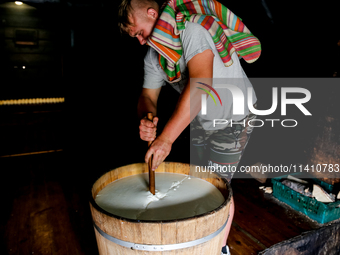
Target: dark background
<point>79,54</point>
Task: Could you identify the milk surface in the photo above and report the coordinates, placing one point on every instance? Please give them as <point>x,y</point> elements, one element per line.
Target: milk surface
<point>177,196</point>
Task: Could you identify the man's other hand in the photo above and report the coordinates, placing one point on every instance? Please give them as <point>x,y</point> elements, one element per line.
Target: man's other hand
<point>147,129</point>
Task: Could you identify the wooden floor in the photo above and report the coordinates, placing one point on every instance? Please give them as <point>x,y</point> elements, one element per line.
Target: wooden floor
<point>261,221</point>
<point>46,177</point>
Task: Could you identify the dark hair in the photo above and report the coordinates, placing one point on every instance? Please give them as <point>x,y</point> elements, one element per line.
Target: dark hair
<point>125,9</point>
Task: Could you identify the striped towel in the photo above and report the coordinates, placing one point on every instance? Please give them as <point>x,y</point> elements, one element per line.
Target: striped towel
<point>227,30</point>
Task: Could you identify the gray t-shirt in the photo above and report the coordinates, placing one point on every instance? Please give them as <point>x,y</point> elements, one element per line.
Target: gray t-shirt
<point>195,40</point>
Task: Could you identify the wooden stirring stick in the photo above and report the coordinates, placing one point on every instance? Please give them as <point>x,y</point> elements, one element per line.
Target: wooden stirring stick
<point>151,173</point>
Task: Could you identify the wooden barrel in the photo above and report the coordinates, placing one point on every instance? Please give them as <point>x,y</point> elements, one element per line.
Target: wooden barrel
<point>199,235</point>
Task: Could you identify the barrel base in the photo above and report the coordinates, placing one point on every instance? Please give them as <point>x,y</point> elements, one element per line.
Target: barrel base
<point>211,247</point>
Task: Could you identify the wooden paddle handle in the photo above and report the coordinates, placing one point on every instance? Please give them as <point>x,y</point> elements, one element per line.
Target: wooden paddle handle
<point>151,173</point>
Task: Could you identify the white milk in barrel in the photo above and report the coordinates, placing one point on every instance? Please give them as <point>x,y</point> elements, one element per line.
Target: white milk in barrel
<point>177,196</point>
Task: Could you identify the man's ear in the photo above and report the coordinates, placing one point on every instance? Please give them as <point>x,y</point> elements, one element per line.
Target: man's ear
<point>152,13</point>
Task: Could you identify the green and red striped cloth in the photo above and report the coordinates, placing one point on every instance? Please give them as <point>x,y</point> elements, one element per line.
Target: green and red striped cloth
<point>227,30</point>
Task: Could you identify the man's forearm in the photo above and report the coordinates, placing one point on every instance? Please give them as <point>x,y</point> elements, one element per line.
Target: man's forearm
<point>187,108</point>
<point>200,66</point>
<point>189,104</point>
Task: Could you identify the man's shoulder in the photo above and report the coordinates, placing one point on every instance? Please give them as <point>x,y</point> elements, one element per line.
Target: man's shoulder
<point>194,29</point>
<point>195,36</point>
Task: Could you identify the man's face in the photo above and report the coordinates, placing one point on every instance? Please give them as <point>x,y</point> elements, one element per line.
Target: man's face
<point>144,23</point>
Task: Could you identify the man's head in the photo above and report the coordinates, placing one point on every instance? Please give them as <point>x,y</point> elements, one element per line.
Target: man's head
<point>138,18</point>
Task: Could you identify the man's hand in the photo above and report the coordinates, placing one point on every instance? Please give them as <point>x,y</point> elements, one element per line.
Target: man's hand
<point>160,149</point>
<point>147,129</point>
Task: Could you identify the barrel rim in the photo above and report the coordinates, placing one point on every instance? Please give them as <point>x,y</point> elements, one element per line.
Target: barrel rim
<point>101,210</point>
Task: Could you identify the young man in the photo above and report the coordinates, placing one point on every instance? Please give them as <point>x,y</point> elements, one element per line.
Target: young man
<point>198,61</point>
